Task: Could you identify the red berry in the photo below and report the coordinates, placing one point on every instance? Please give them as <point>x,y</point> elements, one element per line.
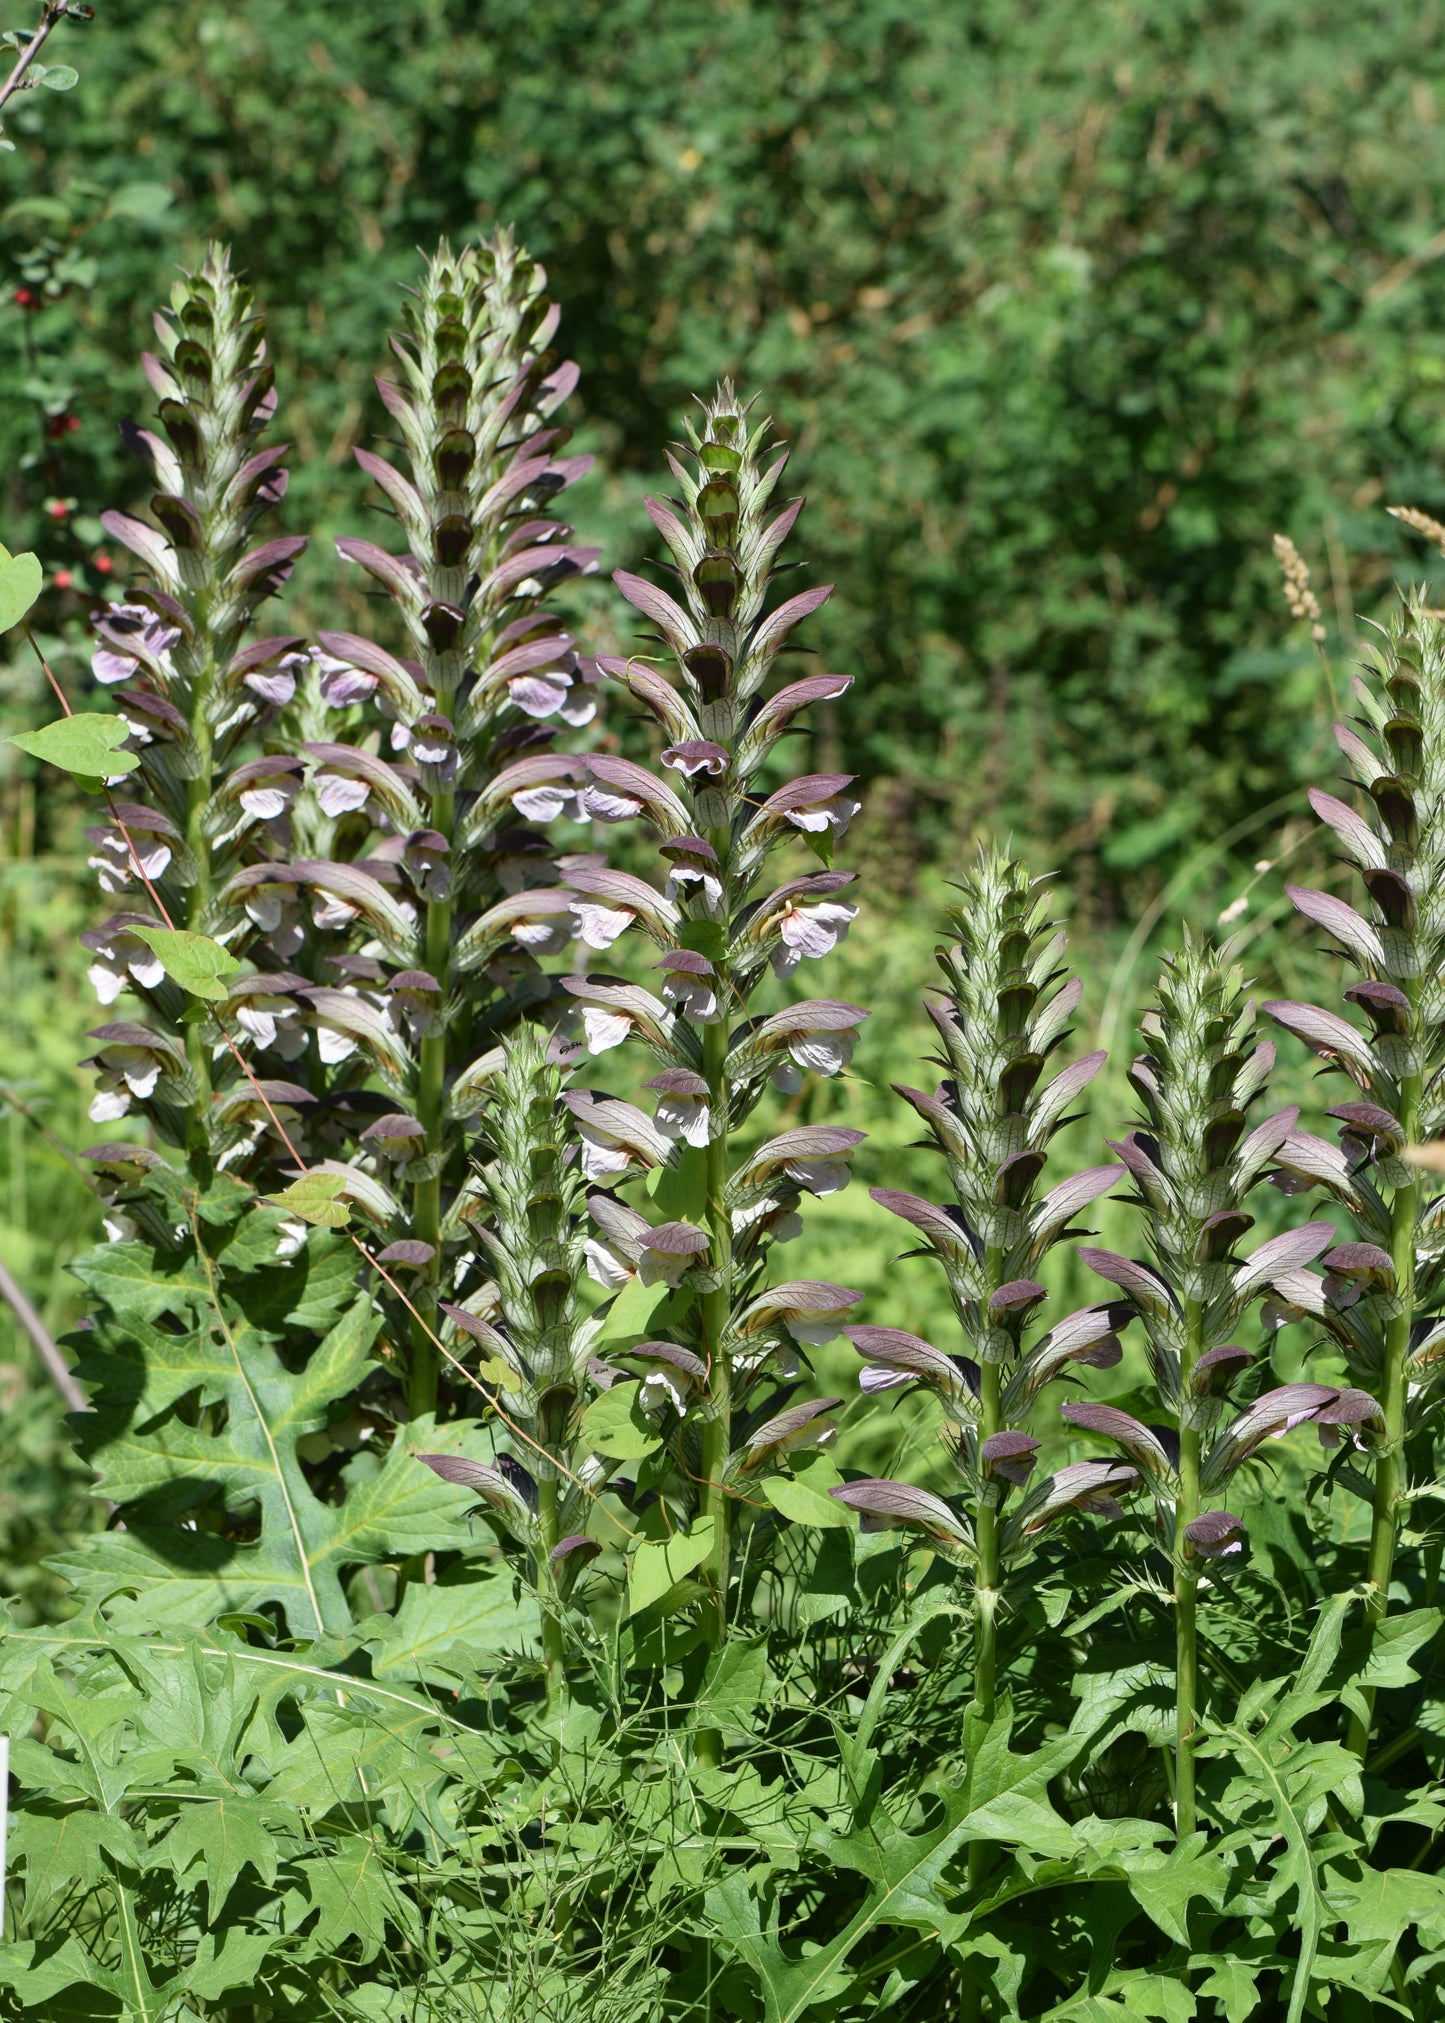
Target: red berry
<point>63,580</point>
<point>102,563</point>
<point>58,509</point>
<point>72,422</point>
<point>25,298</point>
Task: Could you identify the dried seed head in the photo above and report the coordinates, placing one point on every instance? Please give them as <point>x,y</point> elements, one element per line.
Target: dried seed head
<point>1298,595</point>
<point>1420,523</point>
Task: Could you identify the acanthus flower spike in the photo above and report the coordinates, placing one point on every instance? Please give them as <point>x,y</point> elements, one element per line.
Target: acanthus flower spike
<point>705,679</point>
<point>489,676</point>
<point>1382,1296</point>
<point>1193,1162</point>
<point>1003,1012</point>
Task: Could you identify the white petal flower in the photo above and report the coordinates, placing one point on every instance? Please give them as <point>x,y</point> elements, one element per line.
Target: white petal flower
<point>110,1102</point>
<point>662,1387</point>
<point>824,1053</point>
<point>605,804</point>
<point>604,1029</point>
<point>819,1176</point>
<point>539,695</point>
<point>333,1044</point>
<point>599,926</point>
<point>685,1117</point>
<point>548,936</point>
<point>341,683</point>
<point>329,912</point>
<point>338,795</point>
<point>692,996</point>
<point>267,800</point>
<point>545,804</point>
<point>811,931</point>
<point>601,1156</point>
<point>605,1267</point>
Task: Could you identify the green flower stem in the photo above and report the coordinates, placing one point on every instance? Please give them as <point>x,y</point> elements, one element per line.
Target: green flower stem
<point>716,1306</point>
<point>986,1600</point>
<point>431,1115</point>
<point>552,1650</point>
<point>1390,1468</point>
<point>987,1590</point>
<point>1186,1592</point>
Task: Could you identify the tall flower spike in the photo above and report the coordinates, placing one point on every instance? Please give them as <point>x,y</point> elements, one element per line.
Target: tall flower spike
<point>530,1327</point>
<point>1005,1010</point>
<point>1381,1299</point>
<point>491,673</point>
<point>191,692</point>
<point>1193,1164</point>
<point>717,928</point>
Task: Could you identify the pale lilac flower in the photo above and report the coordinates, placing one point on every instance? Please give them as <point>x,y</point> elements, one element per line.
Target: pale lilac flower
<point>682,1105</point>
<point>341,682</point>
<point>120,957</point>
<point>813,931</point>
<point>688,987</point>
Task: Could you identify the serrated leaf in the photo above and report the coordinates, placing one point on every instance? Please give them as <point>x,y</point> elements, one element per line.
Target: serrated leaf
<point>313,1199</point>
<point>616,1426</point>
<point>354,1892</point>
<point>223,1836</point>
<point>21,581</point>
<point>903,1872</point>
<point>193,961</point>
<point>173,1574</point>
<point>139,1284</point>
<point>85,744</point>
<point>441,1625</point>
<point>654,1569</point>
<point>1234,1985</point>
<point>67,1850</point>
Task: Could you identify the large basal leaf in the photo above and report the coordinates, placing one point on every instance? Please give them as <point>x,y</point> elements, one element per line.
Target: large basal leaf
<point>196,1409</point>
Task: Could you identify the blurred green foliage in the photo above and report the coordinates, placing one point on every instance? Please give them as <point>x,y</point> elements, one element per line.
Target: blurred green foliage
<point>1066,310</point>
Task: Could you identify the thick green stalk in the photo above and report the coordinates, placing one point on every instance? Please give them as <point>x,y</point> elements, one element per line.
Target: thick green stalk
<point>1186,1592</point>
<point>200,791</point>
<point>716,1305</point>
<point>552,1648</point>
<point>1390,1468</point>
<point>431,1115</point>
<point>986,1595</point>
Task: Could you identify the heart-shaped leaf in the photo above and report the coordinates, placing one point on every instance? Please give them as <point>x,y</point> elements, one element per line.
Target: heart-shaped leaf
<point>85,745</point>
<point>801,1503</point>
<point>613,1425</point>
<point>193,961</point>
<point>21,582</point>
<point>313,1198</point>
